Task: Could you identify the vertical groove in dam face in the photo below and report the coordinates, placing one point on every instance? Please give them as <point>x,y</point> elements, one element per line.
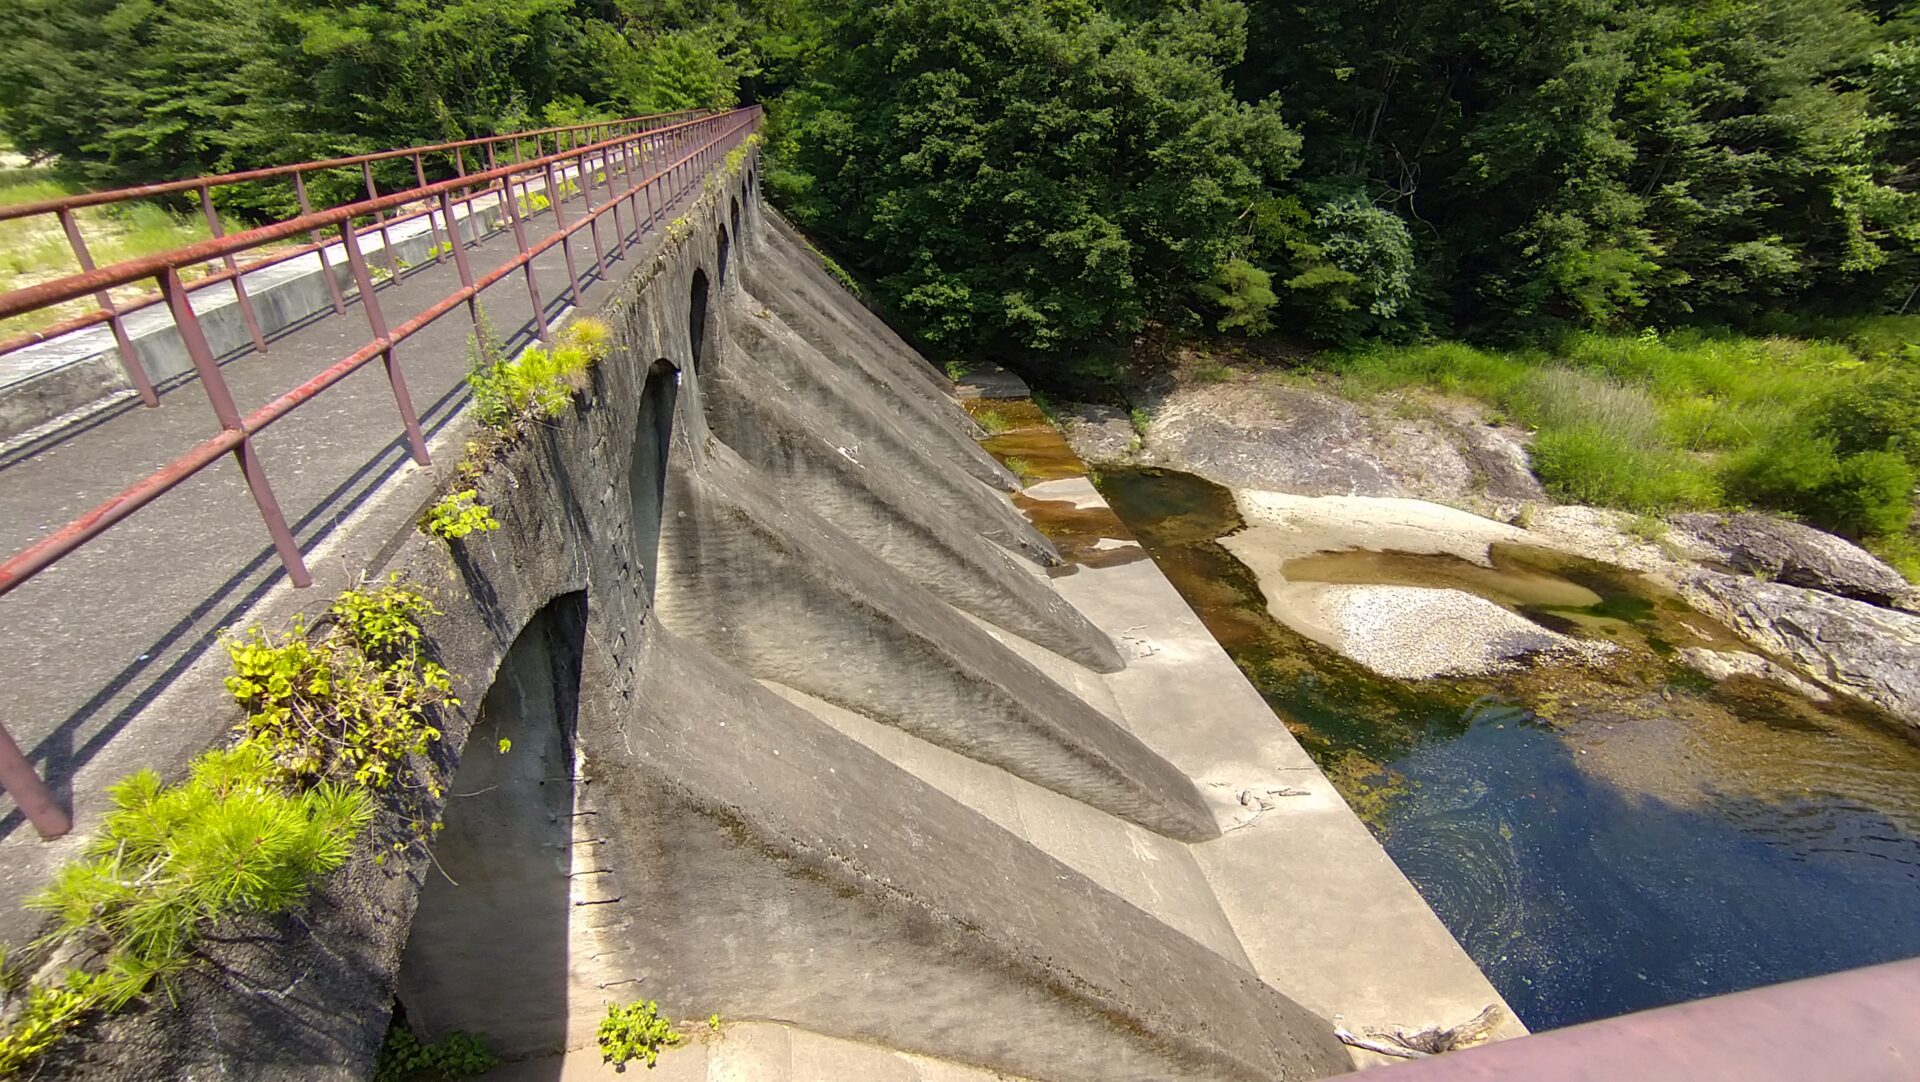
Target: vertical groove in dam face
<point>879,370</point>
<point>854,484</point>
<point>769,353</point>
<point>766,583</point>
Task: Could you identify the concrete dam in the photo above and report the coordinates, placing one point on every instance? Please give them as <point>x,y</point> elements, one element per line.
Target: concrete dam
<point>777,708</point>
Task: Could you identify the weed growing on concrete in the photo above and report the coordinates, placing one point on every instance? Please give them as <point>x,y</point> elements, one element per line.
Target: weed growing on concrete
<point>956,371</point>
<point>532,203</point>
<point>486,358</point>
<point>1140,419</point>
<point>457,515</point>
<point>539,383</point>
<point>635,1032</point>
<point>254,826</point>
<point>48,1013</point>
<point>349,704</point>
<point>839,272</point>
<point>403,1058</point>
<point>1212,372</point>
<point>1023,469</point>
<point>993,421</point>
<point>169,859</point>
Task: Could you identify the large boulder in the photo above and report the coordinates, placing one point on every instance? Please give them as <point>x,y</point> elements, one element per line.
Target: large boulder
<point>1251,431</point>
<point>1794,554</point>
<point>1850,646</point>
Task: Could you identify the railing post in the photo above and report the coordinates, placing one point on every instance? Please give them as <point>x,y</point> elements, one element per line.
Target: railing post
<point>379,219</point>
<point>233,268</point>
<point>363,277</point>
<point>23,783</point>
<point>229,416</point>
<point>128,358</point>
<point>593,222</point>
<point>460,259</point>
<point>533,283</point>
<point>420,174</point>
<point>615,195</point>
<point>566,242</point>
<point>320,248</point>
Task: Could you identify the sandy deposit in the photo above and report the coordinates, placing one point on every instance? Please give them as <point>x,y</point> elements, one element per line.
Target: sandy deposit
<point>1406,632</point>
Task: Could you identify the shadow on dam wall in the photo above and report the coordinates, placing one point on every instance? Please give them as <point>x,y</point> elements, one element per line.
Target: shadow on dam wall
<point>772,712</point>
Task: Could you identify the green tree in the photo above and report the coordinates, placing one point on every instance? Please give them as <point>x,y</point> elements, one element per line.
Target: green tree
<point>1030,174</point>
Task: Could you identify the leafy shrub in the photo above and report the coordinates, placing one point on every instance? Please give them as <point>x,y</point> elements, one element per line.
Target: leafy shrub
<point>1244,295</point>
<point>1862,496</point>
<point>457,515</point>
<point>1351,263</point>
<point>1879,413</point>
<point>349,704</point>
<point>635,1032</point>
<point>403,1058</point>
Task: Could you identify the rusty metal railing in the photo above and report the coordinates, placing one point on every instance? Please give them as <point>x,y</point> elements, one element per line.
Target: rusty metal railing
<point>643,169</point>
<point>1855,1026</point>
<point>442,159</point>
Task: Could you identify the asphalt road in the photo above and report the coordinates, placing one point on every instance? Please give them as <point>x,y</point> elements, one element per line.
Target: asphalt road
<point>88,642</point>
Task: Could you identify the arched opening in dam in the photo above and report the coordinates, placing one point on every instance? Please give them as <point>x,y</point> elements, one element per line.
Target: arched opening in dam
<point>489,944</point>
<point>724,245</point>
<point>697,317</point>
<point>647,470</point>
<point>736,215</point>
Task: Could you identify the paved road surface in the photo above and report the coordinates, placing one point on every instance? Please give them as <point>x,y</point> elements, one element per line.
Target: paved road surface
<point>90,641</point>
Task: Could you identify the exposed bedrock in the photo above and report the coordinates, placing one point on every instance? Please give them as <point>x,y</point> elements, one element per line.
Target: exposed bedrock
<point>762,581</point>
<point>764,351</point>
<point>1795,554</point>
<point>767,866</point>
<point>1847,645</point>
<point>807,313</point>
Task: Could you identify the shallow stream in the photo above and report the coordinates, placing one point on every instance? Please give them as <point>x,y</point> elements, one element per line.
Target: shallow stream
<point>1600,840</point>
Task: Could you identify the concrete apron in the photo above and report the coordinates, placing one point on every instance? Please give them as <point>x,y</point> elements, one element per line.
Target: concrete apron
<point>1296,890</point>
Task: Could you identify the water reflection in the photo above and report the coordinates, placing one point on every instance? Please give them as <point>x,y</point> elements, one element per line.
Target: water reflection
<point>1599,841</point>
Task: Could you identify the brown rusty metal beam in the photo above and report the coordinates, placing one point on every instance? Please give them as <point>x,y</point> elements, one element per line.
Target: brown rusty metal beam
<point>1859,1026</point>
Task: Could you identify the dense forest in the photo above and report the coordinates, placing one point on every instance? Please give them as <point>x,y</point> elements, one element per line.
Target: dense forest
<point>1555,179</point>
<point>1042,173</point>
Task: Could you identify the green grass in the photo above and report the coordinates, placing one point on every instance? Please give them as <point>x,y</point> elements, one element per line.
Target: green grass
<point>26,184</point>
<point>34,250</point>
<point>1825,428</point>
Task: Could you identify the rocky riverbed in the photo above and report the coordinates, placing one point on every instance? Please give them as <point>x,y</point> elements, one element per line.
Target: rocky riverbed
<point>1313,473</point>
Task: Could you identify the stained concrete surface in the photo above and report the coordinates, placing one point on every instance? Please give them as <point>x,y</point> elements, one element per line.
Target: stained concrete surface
<point>1127,873</point>
<point>99,636</point>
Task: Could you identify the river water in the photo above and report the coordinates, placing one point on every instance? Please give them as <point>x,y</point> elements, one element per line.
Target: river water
<point>1600,841</point>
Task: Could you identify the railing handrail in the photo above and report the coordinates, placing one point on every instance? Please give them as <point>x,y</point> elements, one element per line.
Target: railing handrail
<point>75,286</point>
<point>701,145</point>
<point>171,187</point>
